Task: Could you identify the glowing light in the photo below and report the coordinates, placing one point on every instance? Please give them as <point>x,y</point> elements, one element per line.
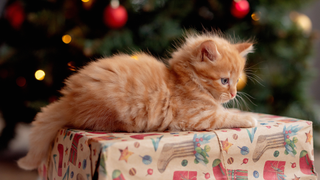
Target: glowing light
<point>85,1</point>
<point>255,16</point>
<point>302,21</point>
<point>66,39</point>
<point>134,57</point>
<point>71,66</point>
<point>39,75</point>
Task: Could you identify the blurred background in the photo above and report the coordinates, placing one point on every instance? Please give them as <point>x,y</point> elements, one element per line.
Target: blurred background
<point>44,41</point>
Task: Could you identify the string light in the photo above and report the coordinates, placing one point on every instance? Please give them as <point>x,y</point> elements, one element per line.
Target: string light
<point>85,1</point>
<point>71,66</point>
<point>39,75</point>
<point>66,39</point>
<point>255,16</point>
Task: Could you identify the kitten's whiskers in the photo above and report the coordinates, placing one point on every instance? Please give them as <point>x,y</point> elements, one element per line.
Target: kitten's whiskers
<point>244,103</point>
<point>238,102</point>
<point>253,77</point>
<point>247,96</point>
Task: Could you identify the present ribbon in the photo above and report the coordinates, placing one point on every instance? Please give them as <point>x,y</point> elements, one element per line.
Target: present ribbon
<point>277,170</point>
<point>223,157</point>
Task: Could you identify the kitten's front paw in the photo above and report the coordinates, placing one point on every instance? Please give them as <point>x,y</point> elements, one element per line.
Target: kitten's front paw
<point>250,121</point>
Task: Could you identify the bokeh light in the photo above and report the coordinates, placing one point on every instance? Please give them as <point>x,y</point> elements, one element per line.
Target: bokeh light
<point>21,81</point>
<point>255,16</point>
<point>66,39</point>
<point>39,75</point>
<point>71,66</point>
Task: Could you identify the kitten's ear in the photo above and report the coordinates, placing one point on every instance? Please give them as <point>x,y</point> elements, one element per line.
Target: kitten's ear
<point>244,48</point>
<point>209,50</point>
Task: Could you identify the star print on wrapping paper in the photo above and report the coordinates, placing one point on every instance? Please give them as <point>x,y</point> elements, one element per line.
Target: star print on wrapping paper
<point>296,177</point>
<point>309,137</point>
<point>226,145</point>
<point>125,154</point>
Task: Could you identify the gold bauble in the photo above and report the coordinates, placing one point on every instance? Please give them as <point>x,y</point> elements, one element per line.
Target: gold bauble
<point>302,21</point>
<point>242,81</point>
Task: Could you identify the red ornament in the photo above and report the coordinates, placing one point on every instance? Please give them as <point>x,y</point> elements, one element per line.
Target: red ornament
<point>206,175</point>
<point>245,161</point>
<point>15,14</point>
<point>115,16</point>
<point>240,8</point>
<point>150,171</point>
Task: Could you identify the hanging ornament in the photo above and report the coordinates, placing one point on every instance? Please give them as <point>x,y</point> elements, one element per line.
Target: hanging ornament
<point>15,14</point>
<point>302,21</point>
<point>242,81</point>
<point>240,8</point>
<point>115,16</point>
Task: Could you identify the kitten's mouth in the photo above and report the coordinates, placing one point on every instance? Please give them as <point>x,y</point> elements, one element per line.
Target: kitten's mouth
<point>224,98</point>
<point>227,101</point>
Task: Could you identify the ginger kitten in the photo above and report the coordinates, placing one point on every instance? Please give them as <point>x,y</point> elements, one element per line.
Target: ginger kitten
<point>139,94</point>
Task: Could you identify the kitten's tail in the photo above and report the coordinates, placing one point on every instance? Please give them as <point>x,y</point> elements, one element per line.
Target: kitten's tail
<point>45,127</point>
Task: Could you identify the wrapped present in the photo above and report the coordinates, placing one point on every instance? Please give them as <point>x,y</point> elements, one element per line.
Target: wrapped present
<point>278,148</point>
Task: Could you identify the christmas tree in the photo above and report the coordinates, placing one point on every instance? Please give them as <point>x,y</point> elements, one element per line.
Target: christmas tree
<point>44,42</point>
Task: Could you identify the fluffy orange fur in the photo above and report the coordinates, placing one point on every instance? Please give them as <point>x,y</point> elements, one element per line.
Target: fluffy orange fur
<point>122,93</point>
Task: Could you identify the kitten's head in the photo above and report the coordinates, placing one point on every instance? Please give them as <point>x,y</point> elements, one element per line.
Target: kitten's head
<point>213,62</point>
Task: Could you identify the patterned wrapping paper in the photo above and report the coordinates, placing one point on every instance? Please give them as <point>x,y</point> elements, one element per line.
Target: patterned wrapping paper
<point>278,148</point>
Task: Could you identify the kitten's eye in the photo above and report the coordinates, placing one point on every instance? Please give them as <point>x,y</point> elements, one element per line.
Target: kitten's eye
<point>224,81</point>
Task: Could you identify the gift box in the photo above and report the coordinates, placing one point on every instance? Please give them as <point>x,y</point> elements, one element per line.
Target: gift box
<point>278,148</point>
